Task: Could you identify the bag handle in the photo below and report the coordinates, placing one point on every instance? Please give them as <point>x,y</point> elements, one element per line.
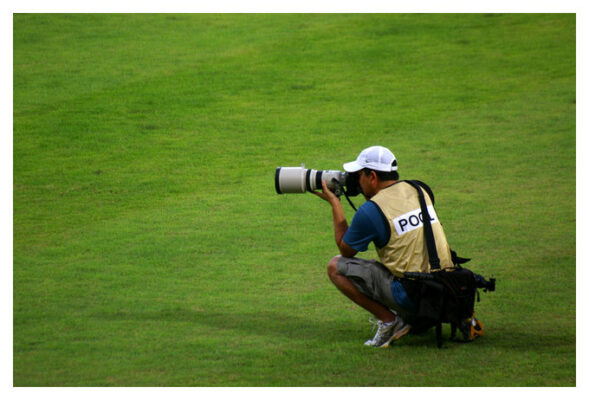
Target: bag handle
<point>434,260</point>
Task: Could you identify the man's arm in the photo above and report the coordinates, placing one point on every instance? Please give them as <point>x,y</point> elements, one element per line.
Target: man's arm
<point>340,225</point>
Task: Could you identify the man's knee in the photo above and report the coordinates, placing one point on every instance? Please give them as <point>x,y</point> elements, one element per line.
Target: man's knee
<point>332,266</point>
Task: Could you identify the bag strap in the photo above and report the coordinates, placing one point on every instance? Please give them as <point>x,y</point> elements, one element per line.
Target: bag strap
<point>434,261</point>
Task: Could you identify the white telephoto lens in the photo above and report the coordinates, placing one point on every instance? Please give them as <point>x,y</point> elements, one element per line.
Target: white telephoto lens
<point>290,180</point>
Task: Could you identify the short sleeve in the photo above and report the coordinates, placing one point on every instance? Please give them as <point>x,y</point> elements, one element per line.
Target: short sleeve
<point>368,225</point>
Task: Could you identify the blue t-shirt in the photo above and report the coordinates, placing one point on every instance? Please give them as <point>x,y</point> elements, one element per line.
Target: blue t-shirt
<point>368,225</point>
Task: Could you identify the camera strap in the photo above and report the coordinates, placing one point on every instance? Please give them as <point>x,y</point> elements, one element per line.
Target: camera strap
<point>343,190</point>
<point>350,201</point>
<point>434,261</point>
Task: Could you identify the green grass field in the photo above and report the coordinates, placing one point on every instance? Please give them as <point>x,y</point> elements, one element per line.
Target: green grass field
<point>150,248</point>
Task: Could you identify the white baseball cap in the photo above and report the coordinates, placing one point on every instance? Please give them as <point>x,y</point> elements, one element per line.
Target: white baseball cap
<point>377,158</point>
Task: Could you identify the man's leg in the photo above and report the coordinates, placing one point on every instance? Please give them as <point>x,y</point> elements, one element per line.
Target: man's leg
<point>347,288</point>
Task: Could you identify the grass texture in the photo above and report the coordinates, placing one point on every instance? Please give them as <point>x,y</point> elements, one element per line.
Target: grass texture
<point>150,248</point>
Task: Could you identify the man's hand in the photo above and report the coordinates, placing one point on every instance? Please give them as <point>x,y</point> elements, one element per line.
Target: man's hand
<point>327,194</point>
<point>339,220</point>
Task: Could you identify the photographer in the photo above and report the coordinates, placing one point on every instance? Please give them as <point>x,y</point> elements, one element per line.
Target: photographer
<point>391,218</point>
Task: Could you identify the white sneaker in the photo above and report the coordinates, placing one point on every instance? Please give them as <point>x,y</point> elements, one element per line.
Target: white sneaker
<point>387,333</point>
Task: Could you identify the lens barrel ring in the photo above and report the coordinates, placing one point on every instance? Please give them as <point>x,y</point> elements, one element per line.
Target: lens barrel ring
<point>318,177</point>
<point>277,180</point>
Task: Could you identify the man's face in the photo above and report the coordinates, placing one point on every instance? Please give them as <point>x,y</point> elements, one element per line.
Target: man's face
<point>368,184</point>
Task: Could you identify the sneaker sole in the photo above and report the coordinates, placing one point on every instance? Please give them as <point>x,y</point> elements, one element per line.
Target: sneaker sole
<point>398,335</point>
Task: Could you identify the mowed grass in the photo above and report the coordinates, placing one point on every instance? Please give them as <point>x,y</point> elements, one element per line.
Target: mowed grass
<point>150,248</point>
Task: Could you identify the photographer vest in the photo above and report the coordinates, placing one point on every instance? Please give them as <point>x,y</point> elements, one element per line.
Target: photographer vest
<point>406,250</point>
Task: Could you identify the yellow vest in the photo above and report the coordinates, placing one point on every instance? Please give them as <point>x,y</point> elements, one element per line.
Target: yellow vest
<point>406,250</point>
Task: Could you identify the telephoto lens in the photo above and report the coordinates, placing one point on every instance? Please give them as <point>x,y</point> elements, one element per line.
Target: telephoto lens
<point>301,180</point>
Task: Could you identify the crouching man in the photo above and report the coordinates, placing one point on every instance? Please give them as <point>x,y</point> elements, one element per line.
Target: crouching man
<point>391,218</point>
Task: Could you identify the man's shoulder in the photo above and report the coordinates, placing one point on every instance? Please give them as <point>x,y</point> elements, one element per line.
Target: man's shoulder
<point>403,187</point>
<point>368,208</point>
<point>427,189</point>
<point>369,212</point>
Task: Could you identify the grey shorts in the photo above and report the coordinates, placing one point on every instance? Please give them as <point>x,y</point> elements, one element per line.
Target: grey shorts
<point>371,278</point>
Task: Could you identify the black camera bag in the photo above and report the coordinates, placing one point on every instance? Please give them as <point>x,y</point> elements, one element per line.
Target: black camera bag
<point>442,296</point>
